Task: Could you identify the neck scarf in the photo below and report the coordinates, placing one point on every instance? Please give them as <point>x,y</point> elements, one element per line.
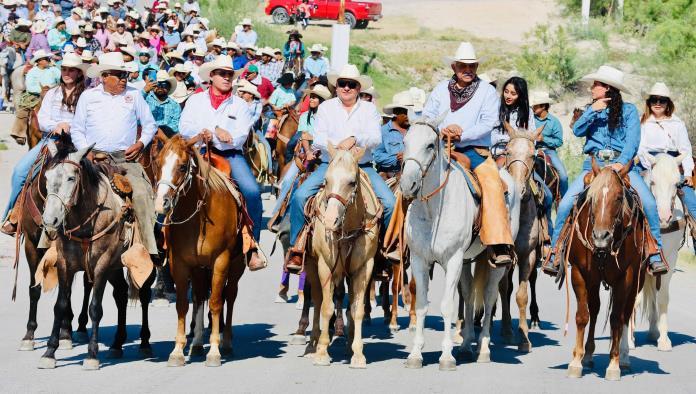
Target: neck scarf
<point>460,96</point>
<point>216,100</point>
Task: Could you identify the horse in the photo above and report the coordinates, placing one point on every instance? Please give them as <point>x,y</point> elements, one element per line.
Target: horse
<point>439,228</point>
<point>664,181</point>
<point>286,130</point>
<point>202,231</point>
<point>344,241</point>
<point>607,239</point>
<point>519,162</point>
<point>92,236</point>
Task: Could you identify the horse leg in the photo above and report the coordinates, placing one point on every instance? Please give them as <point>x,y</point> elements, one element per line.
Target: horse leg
<point>632,322</point>
<point>48,359</point>
<point>83,319</point>
<point>32,256</point>
<point>533,306</point>
<point>181,279</point>
<point>613,371</point>
<point>65,336</point>
<point>453,271</point>
<point>339,296</point>
<point>467,301</point>
<point>457,338</point>
<point>489,296</point>
<point>144,295</point>
<point>412,304</point>
<point>582,316</point>
<point>360,285</point>
<point>299,338</point>
<point>232,289</point>
<point>321,357</point>
<point>220,271</point>
<point>384,300</point>
<point>420,275</point>
<point>317,298</point>
<point>505,290</point>
<point>95,314</point>
<point>594,304</point>
<point>522,298</point>
<point>120,294</point>
<point>396,288</point>
<point>367,308</point>
<point>663,342</point>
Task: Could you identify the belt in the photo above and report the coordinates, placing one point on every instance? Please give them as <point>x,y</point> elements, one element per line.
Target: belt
<point>226,152</point>
<point>606,154</point>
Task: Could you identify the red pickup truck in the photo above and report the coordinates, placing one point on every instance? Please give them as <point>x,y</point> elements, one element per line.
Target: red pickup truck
<point>358,13</point>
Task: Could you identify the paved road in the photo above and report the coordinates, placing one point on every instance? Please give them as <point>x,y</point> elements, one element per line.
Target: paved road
<point>264,362</point>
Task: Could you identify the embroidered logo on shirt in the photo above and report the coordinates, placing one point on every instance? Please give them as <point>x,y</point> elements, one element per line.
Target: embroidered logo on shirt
<point>128,99</point>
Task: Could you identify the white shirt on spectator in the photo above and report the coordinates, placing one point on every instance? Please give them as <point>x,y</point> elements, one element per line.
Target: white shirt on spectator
<point>53,111</point>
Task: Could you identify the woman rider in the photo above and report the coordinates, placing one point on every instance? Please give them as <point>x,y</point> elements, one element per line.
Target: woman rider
<point>612,134</point>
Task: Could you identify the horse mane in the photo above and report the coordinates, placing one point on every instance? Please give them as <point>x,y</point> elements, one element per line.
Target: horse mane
<point>595,187</point>
<point>216,179</point>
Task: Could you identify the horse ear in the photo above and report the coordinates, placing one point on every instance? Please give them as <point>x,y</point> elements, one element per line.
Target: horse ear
<point>358,153</point>
<point>331,149</point>
<point>625,169</point>
<point>161,136</point>
<point>538,131</point>
<point>52,148</point>
<point>595,166</point>
<point>510,130</point>
<point>193,141</point>
<point>82,153</point>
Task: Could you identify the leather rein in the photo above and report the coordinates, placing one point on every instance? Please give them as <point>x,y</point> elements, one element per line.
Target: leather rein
<point>424,169</point>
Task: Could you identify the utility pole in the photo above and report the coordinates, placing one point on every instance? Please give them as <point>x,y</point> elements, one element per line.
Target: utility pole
<point>619,9</point>
<point>342,12</point>
<point>585,12</point>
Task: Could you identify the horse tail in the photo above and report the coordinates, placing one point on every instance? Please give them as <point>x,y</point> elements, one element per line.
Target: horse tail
<point>649,299</point>
<point>481,272</point>
<point>133,291</point>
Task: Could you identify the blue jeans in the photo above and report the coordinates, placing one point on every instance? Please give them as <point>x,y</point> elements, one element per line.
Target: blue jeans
<point>557,163</point>
<point>285,185</point>
<point>311,186</point>
<point>290,150</point>
<point>250,189</point>
<point>690,200</point>
<point>20,174</point>
<point>575,188</point>
<point>548,201</point>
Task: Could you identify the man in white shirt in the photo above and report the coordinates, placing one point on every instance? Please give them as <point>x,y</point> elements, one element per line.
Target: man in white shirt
<point>224,119</point>
<point>345,122</point>
<point>107,117</point>
<point>247,36</point>
<point>470,110</point>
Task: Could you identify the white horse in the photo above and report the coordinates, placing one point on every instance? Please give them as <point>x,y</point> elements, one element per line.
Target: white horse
<point>439,229</point>
<point>664,180</point>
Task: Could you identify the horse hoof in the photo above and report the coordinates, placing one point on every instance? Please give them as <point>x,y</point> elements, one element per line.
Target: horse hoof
<point>213,360</point>
<point>625,367</point>
<point>26,345</point>
<point>160,302</point>
<point>414,363</point>
<point>664,346</point>
<point>115,353</point>
<point>176,360</point>
<point>457,339</point>
<point>613,374</point>
<point>534,325</point>
<point>65,344</point>
<point>47,363</point>
<point>574,371</point>
<point>298,340</point>
<point>484,357</point>
<point>323,361</point>
<point>226,350</point>
<point>80,337</point>
<point>393,329</point>
<point>90,364</point>
<point>358,362</point>
<point>653,336</point>
<point>448,365</point>
<point>146,352</point>
<point>588,363</point>
<point>196,351</point>
<point>524,347</point>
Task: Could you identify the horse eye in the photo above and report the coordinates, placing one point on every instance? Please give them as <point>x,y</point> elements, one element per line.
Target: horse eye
<point>71,179</point>
<point>431,146</point>
<point>182,168</point>
<point>352,184</point>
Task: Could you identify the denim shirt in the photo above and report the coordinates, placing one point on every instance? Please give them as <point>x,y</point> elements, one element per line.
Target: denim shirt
<point>594,127</point>
<point>385,154</point>
<point>166,113</point>
<point>553,132</point>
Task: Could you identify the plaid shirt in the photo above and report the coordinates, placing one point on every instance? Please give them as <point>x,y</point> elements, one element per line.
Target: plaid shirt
<point>271,70</point>
<point>166,113</point>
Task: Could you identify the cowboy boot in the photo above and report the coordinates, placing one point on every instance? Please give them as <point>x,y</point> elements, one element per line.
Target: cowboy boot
<point>658,265</point>
<point>500,254</point>
<point>9,228</point>
<point>293,261</point>
<point>549,267</point>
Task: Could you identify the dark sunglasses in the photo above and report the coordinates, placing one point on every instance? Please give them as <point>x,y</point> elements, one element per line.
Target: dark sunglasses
<point>342,83</point>
<point>164,85</point>
<point>224,74</point>
<point>653,100</point>
<point>117,74</point>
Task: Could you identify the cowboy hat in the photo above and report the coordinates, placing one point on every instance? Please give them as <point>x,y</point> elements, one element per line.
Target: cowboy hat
<point>246,22</point>
<point>161,6</point>
<point>87,56</point>
<point>21,22</point>
<point>400,100</point>
<point>285,79</point>
<point>120,22</point>
<point>144,36</point>
<point>102,10</point>
<point>538,97</point>
<point>251,47</point>
<point>177,5</point>
<point>58,21</point>
<point>110,61</point>
<point>9,3</point>
<point>350,71</point>
<point>319,90</point>
<point>233,45</point>
<point>222,62</point>
<point>78,11</point>
<point>88,29</point>
<point>465,54</point>
<point>129,51</point>
<point>181,93</point>
<point>180,68</point>
<point>98,19</point>
<point>39,26</point>
<point>220,42</point>
<point>132,67</point>
<point>40,54</point>
<point>371,91</point>
<point>205,22</point>
<point>174,55</point>
<point>198,52</point>
<point>72,60</point>
<point>155,27</point>
<point>660,89</point>
<point>294,32</point>
<point>608,75</point>
<point>170,23</point>
<point>81,43</point>
<point>45,3</point>
<point>248,87</point>
<point>163,76</point>
<point>266,51</point>
<point>75,31</point>
<point>316,48</point>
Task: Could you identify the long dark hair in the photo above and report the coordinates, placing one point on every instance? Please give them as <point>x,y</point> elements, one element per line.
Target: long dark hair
<point>313,111</point>
<point>521,105</point>
<point>615,107</point>
<point>70,100</point>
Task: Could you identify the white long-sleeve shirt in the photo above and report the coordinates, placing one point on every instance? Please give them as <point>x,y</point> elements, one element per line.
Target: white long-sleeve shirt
<point>111,121</point>
<point>477,118</point>
<point>664,136</point>
<point>499,134</point>
<point>53,111</point>
<point>232,115</point>
<point>334,124</point>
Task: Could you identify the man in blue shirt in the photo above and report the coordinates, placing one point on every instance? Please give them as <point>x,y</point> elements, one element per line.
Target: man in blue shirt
<point>551,137</point>
<point>171,37</point>
<point>164,109</point>
<point>389,154</point>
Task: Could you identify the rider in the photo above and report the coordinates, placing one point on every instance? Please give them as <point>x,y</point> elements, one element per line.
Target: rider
<point>389,154</point>
<point>470,110</point>
<point>551,137</point>
<point>281,100</point>
<point>224,119</point>
<point>54,117</point>
<point>346,123</point>
<point>611,129</point>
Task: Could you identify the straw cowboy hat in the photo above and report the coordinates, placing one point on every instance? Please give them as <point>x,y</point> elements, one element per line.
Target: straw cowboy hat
<point>174,55</point>
<point>318,48</point>
<point>608,75</point>
<point>400,100</point>
<point>72,60</point>
<point>538,97</point>
<point>320,90</point>
<point>350,71</point>
<point>129,51</point>
<point>163,76</point>
<point>40,54</point>
<point>87,56</point>
<point>233,45</point>
<point>465,54</point>
<point>660,89</point>
<point>222,62</point>
<point>180,68</point>
<point>246,22</point>
<point>39,26</point>
<point>111,61</point>
<point>248,87</point>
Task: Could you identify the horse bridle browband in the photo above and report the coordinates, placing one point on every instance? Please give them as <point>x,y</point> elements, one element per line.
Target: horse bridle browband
<point>73,197</point>
<point>529,171</point>
<point>424,171</point>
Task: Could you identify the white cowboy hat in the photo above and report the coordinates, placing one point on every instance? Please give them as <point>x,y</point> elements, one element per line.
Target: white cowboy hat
<point>88,28</point>
<point>180,68</point>
<point>608,75</point>
<point>465,54</point>
<point>133,14</point>
<point>181,93</point>
<point>170,23</point>
<point>87,56</point>
<point>253,48</point>
<point>110,61</point>
<point>246,22</point>
<point>58,21</point>
<point>198,52</point>
<point>222,62</point>
<point>98,19</point>
<point>205,22</point>
<point>660,89</point>
<point>132,67</point>
<point>316,48</point>
<point>248,87</point>
<point>23,22</point>
<point>538,97</point>
<point>78,11</point>
<point>161,6</point>
<point>39,26</point>
<point>129,51</point>
<point>233,45</point>
<point>144,36</point>
<point>177,5</point>
<point>350,71</point>
<point>277,50</point>
<point>40,54</point>
<point>163,76</point>
<point>72,60</point>
<point>120,22</point>
<point>220,42</point>
<point>75,31</point>
<point>266,51</point>
<point>174,55</point>
<point>324,48</point>
<point>155,27</point>
<point>320,90</point>
<point>372,91</point>
<point>45,3</point>
<point>400,100</point>
<point>9,3</point>
<point>81,43</point>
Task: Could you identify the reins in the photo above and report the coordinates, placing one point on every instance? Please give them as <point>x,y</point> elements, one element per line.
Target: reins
<point>424,171</point>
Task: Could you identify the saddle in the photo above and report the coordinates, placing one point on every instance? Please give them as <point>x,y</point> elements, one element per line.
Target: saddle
<point>464,164</point>
<point>547,172</point>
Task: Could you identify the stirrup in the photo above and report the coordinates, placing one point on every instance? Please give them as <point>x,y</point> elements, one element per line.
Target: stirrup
<point>549,266</point>
<point>9,228</point>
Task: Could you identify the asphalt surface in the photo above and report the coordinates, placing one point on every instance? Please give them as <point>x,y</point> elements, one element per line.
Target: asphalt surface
<point>264,362</point>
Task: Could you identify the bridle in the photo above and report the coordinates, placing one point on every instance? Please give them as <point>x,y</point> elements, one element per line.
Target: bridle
<point>179,190</point>
<point>425,168</point>
<point>73,197</point>
<point>529,171</point>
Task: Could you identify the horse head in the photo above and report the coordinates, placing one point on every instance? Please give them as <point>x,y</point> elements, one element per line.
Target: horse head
<point>421,151</point>
<point>342,181</point>
<point>174,170</point>
<point>607,199</point>
<point>664,182</point>
<point>520,155</point>
<point>65,184</point>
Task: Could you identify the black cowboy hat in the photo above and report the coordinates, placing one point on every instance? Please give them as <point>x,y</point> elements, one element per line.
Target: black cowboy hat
<point>286,79</point>
<point>294,32</point>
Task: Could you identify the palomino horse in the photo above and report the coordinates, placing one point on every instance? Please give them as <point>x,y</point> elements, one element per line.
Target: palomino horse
<point>606,245</point>
<point>202,233</point>
<point>92,236</point>
<point>439,228</point>
<point>345,240</point>
<point>519,161</point>
<point>664,181</point>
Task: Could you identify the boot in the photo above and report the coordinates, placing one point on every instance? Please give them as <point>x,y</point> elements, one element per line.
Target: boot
<point>9,228</point>
<point>658,265</point>
<point>549,267</point>
<point>293,262</point>
<point>500,254</point>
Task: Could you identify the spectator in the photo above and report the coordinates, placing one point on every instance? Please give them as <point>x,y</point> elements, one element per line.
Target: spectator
<point>76,15</point>
<point>101,33</point>
<point>46,13</point>
<point>38,38</point>
<point>117,11</point>
<point>172,38</point>
<point>57,36</point>
<point>164,109</point>
<point>247,36</point>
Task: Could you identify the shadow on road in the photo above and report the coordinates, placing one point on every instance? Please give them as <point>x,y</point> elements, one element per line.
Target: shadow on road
<point>639,366</point>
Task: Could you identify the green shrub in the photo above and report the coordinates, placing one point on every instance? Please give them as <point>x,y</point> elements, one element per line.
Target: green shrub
<point>549,58</point>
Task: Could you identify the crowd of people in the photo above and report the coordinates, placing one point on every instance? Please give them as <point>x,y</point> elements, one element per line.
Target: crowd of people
<point>111,77</point>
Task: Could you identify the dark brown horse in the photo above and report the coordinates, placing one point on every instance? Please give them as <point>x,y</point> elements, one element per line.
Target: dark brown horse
<point>607,238</point>
<point>286,130</point>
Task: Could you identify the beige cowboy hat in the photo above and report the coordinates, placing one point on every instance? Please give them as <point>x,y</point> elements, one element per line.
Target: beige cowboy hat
<point>87,56</point>
<point>233,45</point>
<point>277,50</point>
<point>350,71</point>
<point>222,62</point>
<point>181,93</point>
<point>170,23</point>
<point>39,26</point>
<point>58,21</point>
<point>465,54</point>
<point>608,75</point>
<point>177,5</point>
<point>163,76</point>
<point>40,54</point>
<point>248,87</point>
<point>78,11</point>
<point>81,43</point>
<point>372,91</point>
<point>266,51</point>
<point>320,90</point>
<point>75,31</point>
<point>129,51</point>
<point>660,89</point>
<point>21,22</point>
<point>316,48</point>
<point>120,22</point>
<point>111,61</point>
<point>246,22</point>
<point>72,60</point>
<point>538,97</point>
<point>174,55</point>
<point>220,42</point>
<point>144,36</point>
<point>132,67</point>
<point>88,28</point>
<point>400,100</point>
<point>180,68</point>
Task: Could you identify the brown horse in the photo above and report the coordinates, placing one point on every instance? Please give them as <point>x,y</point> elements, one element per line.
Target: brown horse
<point>286,130</point>
<point>202,231</point>
<point>606,245</point>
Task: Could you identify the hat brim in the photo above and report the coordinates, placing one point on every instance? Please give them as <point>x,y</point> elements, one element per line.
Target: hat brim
<point>172,85</point>
<point>389,109</point>
<point>82,66</point>
<point>48,56</point>
<point>322,95</point>
<point>207,68</point>
<point>590,78</point>
<point>95,70</point>
<point>255,94</point>
<point>449,60</point>
<point>364,81</point>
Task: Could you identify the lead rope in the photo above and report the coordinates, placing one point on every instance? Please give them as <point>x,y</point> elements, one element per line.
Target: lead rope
<point>447,173</point>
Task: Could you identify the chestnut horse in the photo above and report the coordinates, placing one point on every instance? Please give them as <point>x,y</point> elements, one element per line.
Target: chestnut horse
<point>607,239</point>
<point>202,232</point>
<point>286,130</point>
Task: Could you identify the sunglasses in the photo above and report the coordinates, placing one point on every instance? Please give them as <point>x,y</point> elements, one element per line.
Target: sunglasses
<point>658,100</point>
<point>117,74</point>
<point>350,84</point>
<point>163,85</point>
<point>224,74</point>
